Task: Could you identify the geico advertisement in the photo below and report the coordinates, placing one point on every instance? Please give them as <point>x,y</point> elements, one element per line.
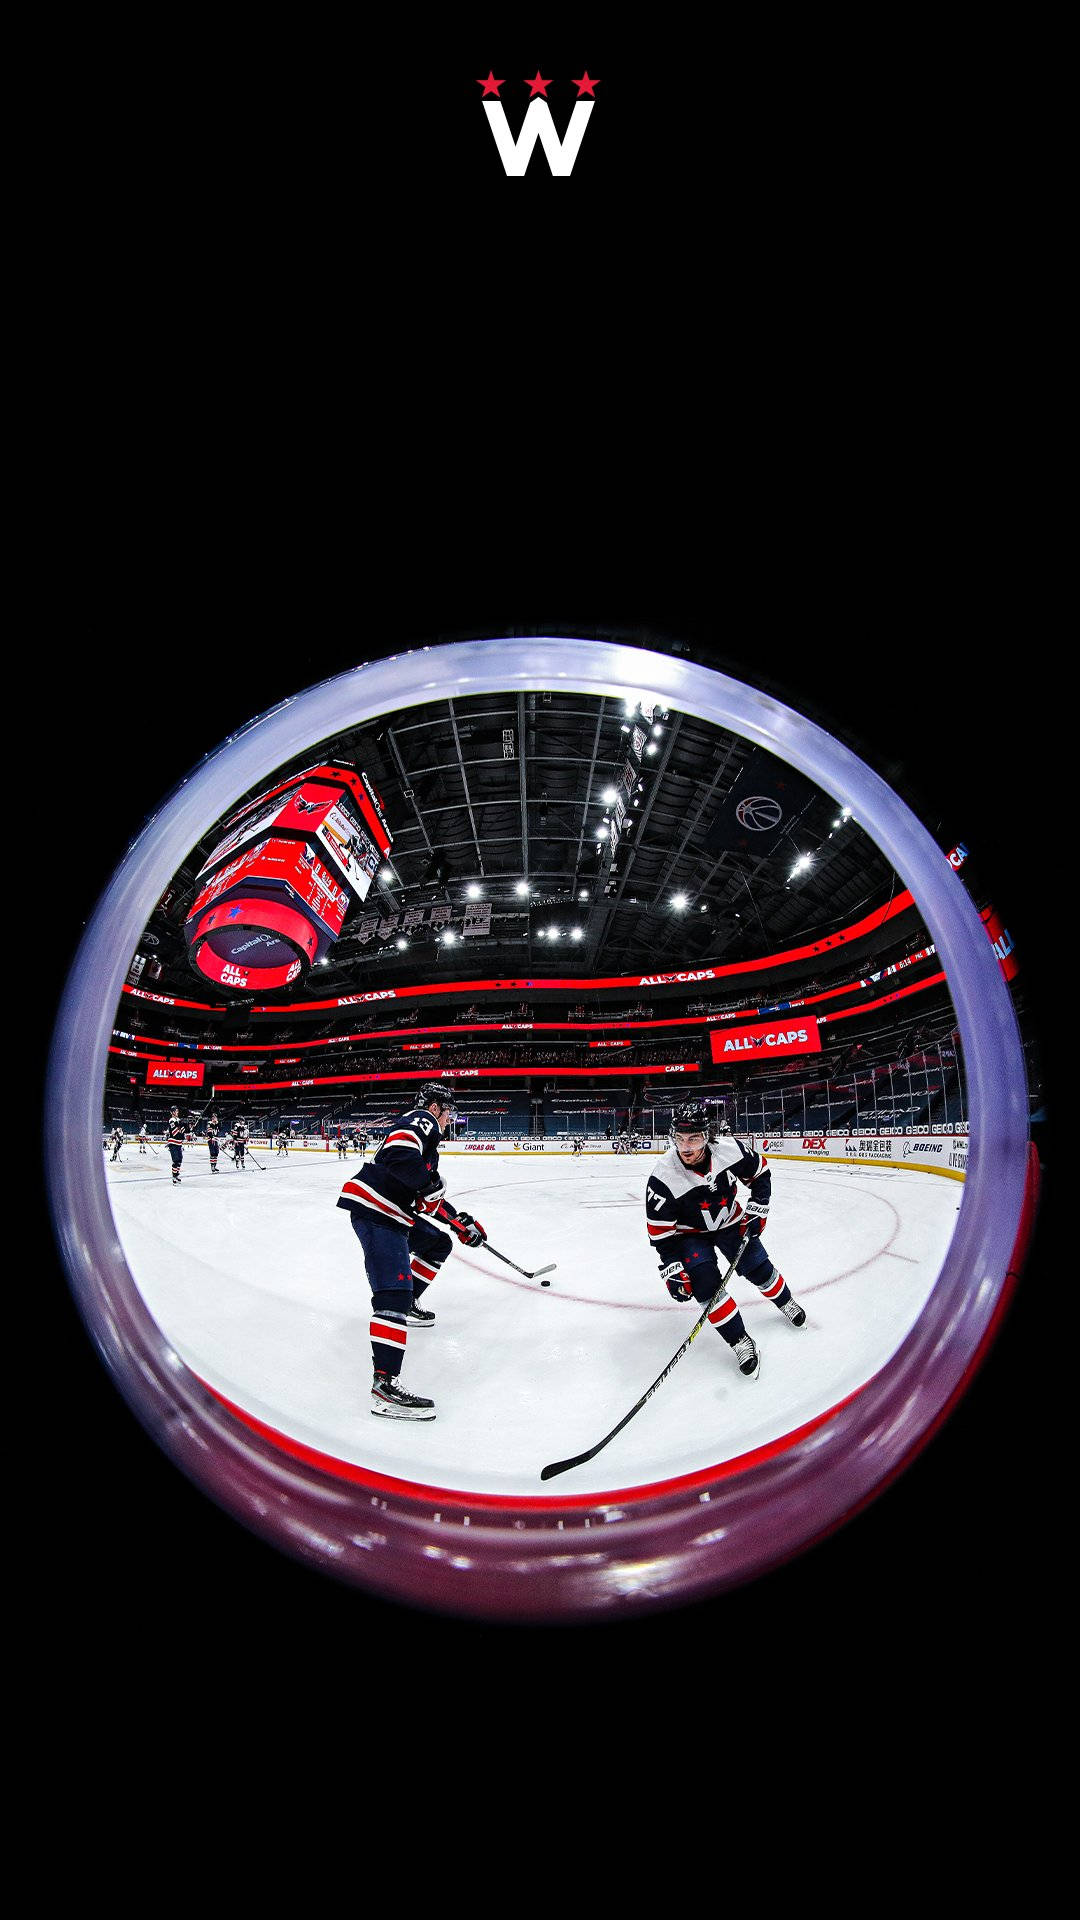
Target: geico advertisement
<point>765,1042</point>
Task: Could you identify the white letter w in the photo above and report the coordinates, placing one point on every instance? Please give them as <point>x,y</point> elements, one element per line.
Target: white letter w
<point>538,125</point>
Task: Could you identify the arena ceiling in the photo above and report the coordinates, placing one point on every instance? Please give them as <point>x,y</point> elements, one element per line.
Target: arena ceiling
<point>486,795</point>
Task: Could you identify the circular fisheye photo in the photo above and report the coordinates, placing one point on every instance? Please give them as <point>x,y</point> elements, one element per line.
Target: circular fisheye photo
<point>547,1129</point>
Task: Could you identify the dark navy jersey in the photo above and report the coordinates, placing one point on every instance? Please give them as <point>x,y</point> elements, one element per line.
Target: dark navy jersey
<point>678,1200</point>
<point>405,1166</point>
<point>175,1131</point>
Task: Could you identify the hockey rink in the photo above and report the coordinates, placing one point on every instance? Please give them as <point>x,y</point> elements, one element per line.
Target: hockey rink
<point>257,1281</point>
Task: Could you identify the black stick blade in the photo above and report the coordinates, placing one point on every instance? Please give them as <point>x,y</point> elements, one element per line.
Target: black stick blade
<point>560,1466</point>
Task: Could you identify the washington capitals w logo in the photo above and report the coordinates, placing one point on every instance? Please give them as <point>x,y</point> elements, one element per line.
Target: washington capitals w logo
<point>538,125</point>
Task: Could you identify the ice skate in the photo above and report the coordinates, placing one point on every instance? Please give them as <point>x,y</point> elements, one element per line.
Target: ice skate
<point>417,1317</point>
<point>390,1400</point>
<point>792,1311</point>
<point>747,1356</point>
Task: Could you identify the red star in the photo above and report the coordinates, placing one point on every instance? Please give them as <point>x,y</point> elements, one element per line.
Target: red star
<point>585,85</point>
<point>536,85</point>
<point>490,85</point>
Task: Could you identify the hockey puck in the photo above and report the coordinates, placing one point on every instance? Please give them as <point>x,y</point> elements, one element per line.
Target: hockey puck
<point>545,1283</point>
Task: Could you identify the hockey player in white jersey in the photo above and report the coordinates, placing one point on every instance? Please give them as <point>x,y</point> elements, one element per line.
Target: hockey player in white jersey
<point>693,1210</point>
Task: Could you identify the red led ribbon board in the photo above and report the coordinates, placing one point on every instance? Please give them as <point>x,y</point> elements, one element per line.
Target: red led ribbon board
<point>161,1073</point>
<point>269,911</point>
<point>757,1045</point>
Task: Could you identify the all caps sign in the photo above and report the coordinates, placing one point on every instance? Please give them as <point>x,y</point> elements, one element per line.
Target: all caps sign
<point>764,1042</point>
<point>162,1073</point>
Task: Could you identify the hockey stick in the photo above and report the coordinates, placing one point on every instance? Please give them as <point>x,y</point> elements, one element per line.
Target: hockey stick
<point>561,1466</point>
<point>258,1163</point>
<point>513,1263</point>
<point>442,1213</point>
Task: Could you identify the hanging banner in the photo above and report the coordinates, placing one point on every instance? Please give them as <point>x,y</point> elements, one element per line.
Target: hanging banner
<point>388,926</point>
<point>477,920</point>
<point>749,1045</point>
<point>414,917</point>
<point>366,930</point>
<point>440,916</point>
<point>637,741</point>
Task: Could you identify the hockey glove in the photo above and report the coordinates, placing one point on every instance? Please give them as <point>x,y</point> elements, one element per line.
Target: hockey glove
<point>468,1230</point>
<point>757,1212</point>
<point>432,1199</point>
<point>677,1281</point>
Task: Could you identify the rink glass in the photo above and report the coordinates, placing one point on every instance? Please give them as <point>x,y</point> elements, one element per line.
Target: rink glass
<point>553,1557</point>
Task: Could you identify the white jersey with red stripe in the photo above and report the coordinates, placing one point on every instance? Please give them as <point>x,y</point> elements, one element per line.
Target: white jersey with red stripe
<point>387,1186</point>
<point>679,1199</point>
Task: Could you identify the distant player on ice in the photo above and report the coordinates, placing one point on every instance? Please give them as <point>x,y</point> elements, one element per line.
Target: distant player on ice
<point>693,1211</point>
<point>117,1139</point>
<point>142,1138</point>
<point>393,1202</point>
<point>175,1134</point>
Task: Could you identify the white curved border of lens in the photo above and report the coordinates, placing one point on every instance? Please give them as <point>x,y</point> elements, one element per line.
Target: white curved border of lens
<point>865,1441</point>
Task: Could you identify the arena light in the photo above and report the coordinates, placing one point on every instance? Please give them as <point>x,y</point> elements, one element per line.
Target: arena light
<point>608,796</point>
<point>521,887</point>
<point>473,891</point>
<point>678,901</point>
<point>576,933</point>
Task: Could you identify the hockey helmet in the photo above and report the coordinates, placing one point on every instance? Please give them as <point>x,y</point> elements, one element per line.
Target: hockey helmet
<point>691,1117</point>
<point>438,1091</point>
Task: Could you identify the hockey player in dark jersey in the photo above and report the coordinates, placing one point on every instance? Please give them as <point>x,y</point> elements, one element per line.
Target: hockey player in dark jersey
<point>175,1131</point>
<point>393,1202</point>
<point>693,1211</point>
<point>212,1140</point>
<point>239,1138</point>
<point>117,1142</point>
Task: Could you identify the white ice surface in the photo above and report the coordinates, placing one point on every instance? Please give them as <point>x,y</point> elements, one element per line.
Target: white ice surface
<point>257,1281</point>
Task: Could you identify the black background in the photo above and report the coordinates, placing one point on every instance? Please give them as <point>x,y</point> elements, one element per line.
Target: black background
<point>747,379</point>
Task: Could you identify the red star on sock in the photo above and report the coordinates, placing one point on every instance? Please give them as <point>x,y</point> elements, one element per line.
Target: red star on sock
<point>585,85</point>
<point>490,85</point>
<point>536,85</point>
